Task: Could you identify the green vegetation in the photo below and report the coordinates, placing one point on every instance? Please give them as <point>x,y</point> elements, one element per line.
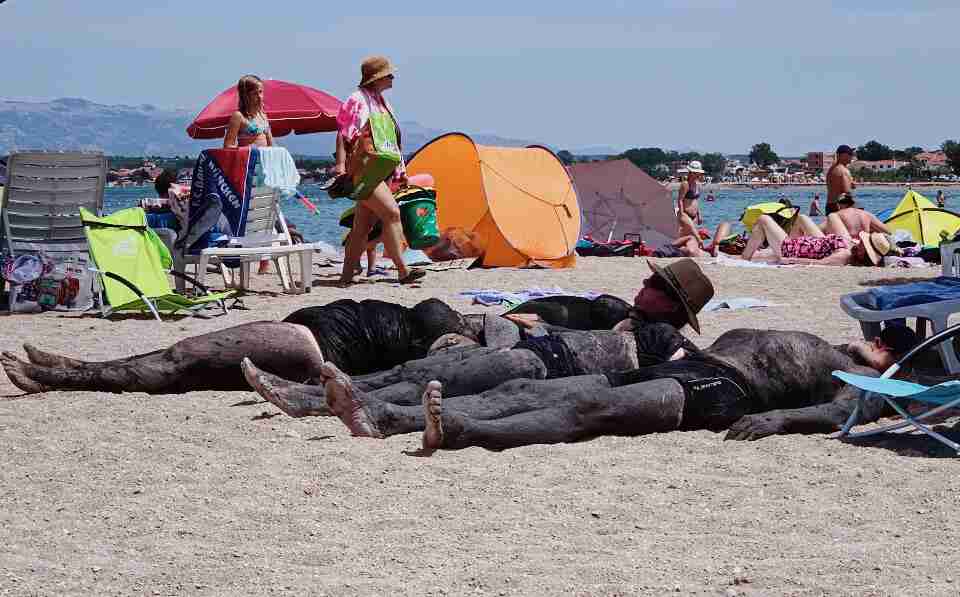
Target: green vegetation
<point>763,155</point>
<point>660,164</point>
<point>952,149</point>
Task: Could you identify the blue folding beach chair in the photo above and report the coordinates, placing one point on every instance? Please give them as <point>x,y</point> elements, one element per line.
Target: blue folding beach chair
<point>941,397</point>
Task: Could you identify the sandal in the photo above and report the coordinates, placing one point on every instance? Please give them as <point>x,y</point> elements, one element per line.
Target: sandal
<point>412,276</point>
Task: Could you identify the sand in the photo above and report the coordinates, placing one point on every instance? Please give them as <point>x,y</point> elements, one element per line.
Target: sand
<point>215,493</point>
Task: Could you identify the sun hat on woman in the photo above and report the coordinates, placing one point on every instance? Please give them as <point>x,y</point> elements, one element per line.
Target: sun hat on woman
<point>374,68</point>
<point>695,166</point>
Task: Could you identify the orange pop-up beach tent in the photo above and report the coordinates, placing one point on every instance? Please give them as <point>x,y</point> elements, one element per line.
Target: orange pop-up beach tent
<point>520,201</point>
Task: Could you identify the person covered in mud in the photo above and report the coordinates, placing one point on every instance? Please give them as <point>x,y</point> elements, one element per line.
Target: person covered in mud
<point>382,342</point>
<point>755,383</point>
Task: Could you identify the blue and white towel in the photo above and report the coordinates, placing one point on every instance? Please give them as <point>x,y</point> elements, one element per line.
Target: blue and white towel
<point>491,297</point>
<point>279,169</point>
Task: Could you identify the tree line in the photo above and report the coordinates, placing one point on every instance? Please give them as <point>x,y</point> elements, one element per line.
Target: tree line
<point>657,162</point>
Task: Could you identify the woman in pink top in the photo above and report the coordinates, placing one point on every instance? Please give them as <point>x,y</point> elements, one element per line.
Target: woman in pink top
<point>248,125</point>
<point>813,247</point>
<point>376,77</point>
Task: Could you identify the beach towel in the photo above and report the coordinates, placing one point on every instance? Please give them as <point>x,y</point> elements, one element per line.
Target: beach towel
<point>223,180</point>
<point>916,293</point>
<point>735,304</point>
<point>738,262</point>
<point>279,169</point>
<point>490,297</point>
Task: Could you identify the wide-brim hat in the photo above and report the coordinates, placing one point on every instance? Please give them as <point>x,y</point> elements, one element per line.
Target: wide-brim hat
<point>689,283</point>
<point>695,166</point>
<point>375,68</point>
<point>877,245</point>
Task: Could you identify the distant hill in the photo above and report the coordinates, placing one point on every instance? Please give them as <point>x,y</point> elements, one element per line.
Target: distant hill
<point>74,123</point>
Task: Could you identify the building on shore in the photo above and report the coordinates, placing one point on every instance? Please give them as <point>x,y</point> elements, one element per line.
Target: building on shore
<point>878,165</point>
<point>820,161</point>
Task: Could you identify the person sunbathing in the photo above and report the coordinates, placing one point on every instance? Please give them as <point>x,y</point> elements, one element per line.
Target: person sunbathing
<point>754,383</point>
<point>692,246</point>
<point>813,247</point>
<point>379,339</point>
<point>856,220</point>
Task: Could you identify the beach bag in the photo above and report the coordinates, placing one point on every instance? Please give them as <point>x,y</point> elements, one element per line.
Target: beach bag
<point>418,215</point>
<point>374,156</point>
<point>64,284</point>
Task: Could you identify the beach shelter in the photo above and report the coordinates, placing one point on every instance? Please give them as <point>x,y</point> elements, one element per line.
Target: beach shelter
<point>771,208</point>
<point>519,201</point>
<point>922,219</point>
<point>618,199</point>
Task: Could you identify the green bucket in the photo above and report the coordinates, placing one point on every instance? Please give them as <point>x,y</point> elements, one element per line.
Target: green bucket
<point>419,219</point>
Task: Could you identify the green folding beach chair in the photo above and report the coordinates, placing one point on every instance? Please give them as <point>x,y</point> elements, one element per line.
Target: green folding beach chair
<point>133,262</point>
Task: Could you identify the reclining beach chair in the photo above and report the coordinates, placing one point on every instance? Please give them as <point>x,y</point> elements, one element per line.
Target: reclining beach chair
<point>132,263</point>
<point>942,396</point>
<point>930,301</point>
<point>266,236</point>
<point>43,197</point>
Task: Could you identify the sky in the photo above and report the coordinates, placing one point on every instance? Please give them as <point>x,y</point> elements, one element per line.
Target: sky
<point>685,74</point>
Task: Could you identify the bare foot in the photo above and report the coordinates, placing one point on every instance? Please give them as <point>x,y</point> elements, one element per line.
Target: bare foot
<point>432,401</point>
<point>294,399</point>
<point>345,401</point>
<point>48,359</point>
<point>19,374</point>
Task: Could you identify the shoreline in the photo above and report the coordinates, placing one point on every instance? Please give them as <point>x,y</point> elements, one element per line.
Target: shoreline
<point>755,185</point>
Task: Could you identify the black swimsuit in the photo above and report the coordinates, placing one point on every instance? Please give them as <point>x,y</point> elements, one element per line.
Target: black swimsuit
<point>715,393</point>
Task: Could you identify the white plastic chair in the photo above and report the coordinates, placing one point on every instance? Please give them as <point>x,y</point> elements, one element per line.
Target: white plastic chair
<point>266,237</point>
<point>857,305</point>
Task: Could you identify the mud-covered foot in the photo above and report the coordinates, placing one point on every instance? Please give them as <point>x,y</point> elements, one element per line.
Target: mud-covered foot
<point>48,359</point>
<point>345,401</point>
<point>287,396</point>
<point>432,401</point>
<point>19,374</point>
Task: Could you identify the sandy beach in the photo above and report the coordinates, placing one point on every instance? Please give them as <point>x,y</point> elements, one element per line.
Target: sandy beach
<point>218,493</point>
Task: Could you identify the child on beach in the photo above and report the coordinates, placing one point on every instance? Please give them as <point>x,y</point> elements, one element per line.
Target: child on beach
<point>248,125</point>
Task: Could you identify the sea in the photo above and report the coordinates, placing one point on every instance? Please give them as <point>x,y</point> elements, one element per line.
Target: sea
<point>728,206</point>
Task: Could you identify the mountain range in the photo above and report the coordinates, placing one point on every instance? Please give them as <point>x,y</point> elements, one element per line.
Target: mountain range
<point>74,123</point>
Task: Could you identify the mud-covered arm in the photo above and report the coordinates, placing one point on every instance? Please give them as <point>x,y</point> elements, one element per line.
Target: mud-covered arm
<point>819,418</point>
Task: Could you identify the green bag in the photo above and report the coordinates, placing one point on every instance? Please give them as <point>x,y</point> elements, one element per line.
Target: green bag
<point>375,156</point>
<point>418,215</point>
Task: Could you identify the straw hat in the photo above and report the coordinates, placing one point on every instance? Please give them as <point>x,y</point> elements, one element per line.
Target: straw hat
<point>689,283</point>
<point>374,68</point>
<point>695,166</point>
<point>877,245</point>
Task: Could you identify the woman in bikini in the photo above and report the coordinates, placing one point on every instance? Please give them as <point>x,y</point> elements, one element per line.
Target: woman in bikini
<point>248,125</point>
<point>813,246</point>
<point>688,201</point>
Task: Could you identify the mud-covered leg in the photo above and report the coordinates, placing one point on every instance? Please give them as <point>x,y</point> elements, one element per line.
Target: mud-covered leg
<point>294,399</point>
<point>647,407</point>
<point>467,373</point>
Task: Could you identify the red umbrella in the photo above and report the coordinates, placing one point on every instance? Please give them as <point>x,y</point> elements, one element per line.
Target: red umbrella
<point>288,106</point>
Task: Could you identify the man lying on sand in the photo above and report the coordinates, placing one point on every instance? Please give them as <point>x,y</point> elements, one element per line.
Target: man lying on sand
<point>374,336</point>
<point>753,382</point>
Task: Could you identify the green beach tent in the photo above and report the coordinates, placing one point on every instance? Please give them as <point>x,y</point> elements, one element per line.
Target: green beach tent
<point>922,219</point>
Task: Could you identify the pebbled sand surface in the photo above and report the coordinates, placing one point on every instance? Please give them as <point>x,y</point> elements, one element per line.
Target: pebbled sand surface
<point>218,493</point>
